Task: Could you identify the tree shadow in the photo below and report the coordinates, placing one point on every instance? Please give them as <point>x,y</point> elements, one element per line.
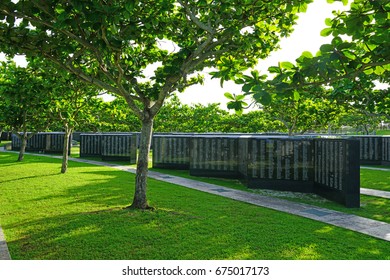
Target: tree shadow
<point>85,219</point>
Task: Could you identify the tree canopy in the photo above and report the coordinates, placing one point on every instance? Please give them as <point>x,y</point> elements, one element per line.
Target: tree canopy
<point>359,50</point>
<point>117,46</point>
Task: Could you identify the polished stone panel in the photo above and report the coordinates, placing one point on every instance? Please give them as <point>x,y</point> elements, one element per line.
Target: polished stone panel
<point>214,156</point>
<point>171,151</point>
<point>90,145</point>
<point>119,147</point>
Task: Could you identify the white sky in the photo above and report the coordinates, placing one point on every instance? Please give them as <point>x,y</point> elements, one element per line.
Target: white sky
<point>306,37</point>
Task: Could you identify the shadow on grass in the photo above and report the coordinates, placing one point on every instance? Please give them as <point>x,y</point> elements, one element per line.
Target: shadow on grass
<point>80,215</point>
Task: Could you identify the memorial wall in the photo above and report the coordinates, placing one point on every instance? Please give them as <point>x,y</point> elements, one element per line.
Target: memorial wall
<point>328,167</point>
<point>42,142</point>
<point>374,150</point>
<point>337,170</point>
<point>119,147</point>
<point>279,163</point>
<point>214,156</point>
<point>90,145</point>
<point>171,152</point>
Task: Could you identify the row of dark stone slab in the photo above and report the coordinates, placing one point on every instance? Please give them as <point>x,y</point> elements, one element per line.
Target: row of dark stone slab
<point>328,167</point>
<point>42,142</point>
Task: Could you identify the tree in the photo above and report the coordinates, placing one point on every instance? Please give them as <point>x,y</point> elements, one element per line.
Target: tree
<point>111,44</point>
<point>69,101</point>
<point>360,46</point>
<point>24,106</point>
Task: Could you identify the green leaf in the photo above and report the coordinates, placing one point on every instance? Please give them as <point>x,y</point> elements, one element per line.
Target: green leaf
<point>274,69</point>
<point>369,71</point>
<point>297,96</point>
<point>326,32</point>
<point>286,65</point>
<point>307,54</point>
<point>328,22</point>
<point>326,48</point>
<point>379,70</point>
<point>229,96</point>
<point>263,97</point>
<point>246,87</point>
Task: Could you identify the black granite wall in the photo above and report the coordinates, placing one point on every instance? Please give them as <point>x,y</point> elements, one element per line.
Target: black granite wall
<point>90,145</point>
<point>119,147</point>
<point>171,152</point>
<point>42,142</point>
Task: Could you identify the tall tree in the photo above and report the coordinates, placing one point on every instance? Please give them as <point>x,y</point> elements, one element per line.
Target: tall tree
<point>69,101</point>
<point>115,44</point>
<point>24,108</point>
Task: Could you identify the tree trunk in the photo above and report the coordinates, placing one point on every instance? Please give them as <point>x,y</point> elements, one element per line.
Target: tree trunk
<point>23,137</point>
<point>65,152</point>
<point>140,200</point>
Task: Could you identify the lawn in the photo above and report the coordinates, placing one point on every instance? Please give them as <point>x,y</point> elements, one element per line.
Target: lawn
<point>80,215</point>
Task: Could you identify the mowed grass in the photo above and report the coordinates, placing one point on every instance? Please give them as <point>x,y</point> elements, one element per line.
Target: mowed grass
<point>370,207</point>
<point>80,215</point>
<point>375,179</point>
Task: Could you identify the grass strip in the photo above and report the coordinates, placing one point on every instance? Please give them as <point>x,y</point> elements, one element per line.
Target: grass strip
<point>80,215</point>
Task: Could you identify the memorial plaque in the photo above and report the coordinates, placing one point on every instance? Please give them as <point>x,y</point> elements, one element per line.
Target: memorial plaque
<point>42,142</point>
<point>371,149</point>
<point>337,170</point>
<point>55,142</point>
<point>215,156</point>
<point>171,151</point>
<point>277,163</point>
<point>90,145</point>
<point>119,147</point>
<point>386,150</point>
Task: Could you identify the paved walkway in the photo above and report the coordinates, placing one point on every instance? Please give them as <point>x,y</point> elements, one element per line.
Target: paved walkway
<point>366,226</point>
<point>4,253</point>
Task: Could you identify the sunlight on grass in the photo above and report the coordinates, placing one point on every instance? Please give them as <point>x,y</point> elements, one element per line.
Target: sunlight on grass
<point>80,215</point>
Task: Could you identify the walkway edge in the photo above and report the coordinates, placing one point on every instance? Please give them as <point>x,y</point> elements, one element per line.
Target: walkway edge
<point>4,253</point>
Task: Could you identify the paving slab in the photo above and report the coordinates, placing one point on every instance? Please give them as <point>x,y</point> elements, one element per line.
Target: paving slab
<point>376,193</point>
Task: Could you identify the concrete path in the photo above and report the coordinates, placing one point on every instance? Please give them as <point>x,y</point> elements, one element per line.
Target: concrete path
<point>377,193</point>
<point>4,253</point>
<point>375,168</point>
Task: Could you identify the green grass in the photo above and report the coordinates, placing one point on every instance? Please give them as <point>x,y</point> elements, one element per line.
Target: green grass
<point>370,207</point>
<point>80,215</point>
<point>375,179</point>
<point>383,132</point>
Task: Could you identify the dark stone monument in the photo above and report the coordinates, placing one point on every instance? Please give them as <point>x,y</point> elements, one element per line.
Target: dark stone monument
<point>90,145</point>
<point>171,151</point>
<point>279,163</point>
<point>370,148</point>
<point>328,167</point>
<point>214,156</point>
<point>119,147</point>
<point>42,142</point>
<point>337,170</point>
<point>386,150</point>
<point>54,142</point>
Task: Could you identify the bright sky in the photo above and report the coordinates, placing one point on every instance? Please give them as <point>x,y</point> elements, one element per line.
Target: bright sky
<point>306,37</point>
